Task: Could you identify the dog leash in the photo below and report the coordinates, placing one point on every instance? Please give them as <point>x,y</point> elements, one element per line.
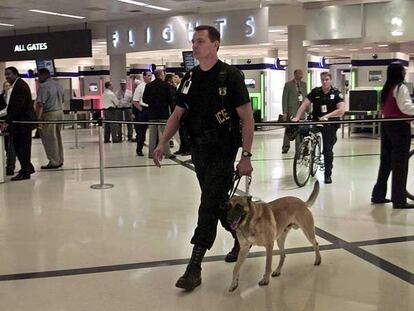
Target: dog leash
<point>247,185</point>
<point>236,181</point>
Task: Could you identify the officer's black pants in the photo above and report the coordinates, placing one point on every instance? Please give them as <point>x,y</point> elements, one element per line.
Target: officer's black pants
<point>141,129</point>
<point>395,148</point>
<point>215,174</point>
<point>328,141</point>
<point>184,143</point>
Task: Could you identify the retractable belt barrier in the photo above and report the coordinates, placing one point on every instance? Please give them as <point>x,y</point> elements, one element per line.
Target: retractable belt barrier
<point>100,122</point>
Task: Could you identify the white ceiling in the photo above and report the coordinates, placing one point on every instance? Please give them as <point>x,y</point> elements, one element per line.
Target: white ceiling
<point>96,11</point>
<point>17,12</point>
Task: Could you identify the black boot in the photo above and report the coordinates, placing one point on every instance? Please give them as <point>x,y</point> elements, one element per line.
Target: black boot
<point>192,275</point>
<point>234,253</point>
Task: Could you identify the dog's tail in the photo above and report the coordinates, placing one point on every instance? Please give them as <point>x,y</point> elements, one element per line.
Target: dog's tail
<point>313,195</point>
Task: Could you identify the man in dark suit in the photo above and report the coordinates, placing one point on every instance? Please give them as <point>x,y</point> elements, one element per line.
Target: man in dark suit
<point>20,108</point>
<point>158,96</point>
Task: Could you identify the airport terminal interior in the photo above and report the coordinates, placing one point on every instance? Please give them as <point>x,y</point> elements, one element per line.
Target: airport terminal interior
<point>109,230</point>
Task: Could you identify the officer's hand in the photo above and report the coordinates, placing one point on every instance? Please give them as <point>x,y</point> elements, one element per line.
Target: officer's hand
<point>323,119</point>
<point>245,167</point>
<point>158,155</point>
<point>295,119</point>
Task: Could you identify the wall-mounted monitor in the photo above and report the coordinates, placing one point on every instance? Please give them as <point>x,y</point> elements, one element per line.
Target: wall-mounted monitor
<point>93,87</point>
<point>49,64</point>
<point>250,83</point>
<point>375,76</point>
<point>363,100</point>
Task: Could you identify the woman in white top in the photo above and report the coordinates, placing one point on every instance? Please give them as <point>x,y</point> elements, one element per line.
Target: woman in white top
<point>395,139</point>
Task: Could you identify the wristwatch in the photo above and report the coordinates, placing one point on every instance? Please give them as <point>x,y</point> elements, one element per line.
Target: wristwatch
<point>246,153</point>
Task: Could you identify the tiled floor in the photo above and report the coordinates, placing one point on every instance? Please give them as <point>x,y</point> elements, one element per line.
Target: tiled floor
<point>123,248</point>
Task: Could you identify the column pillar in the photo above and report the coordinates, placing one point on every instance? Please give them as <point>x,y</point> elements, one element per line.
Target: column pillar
<point>2,67</point>
<point>118,70</point>
<point>273,53</point>
<point>297,58</point>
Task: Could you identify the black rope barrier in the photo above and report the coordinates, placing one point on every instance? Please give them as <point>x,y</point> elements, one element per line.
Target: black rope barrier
<point>99,122</point>
<point>265,123</point>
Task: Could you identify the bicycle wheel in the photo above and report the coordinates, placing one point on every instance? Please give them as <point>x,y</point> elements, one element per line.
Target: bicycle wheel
<point>301,163</point>
<point>316,158</point>
<point>410,176</point>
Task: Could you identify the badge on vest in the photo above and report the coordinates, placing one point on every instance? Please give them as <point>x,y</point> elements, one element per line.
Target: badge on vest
<point>332,96</point>
<point>324,109</point>
<point>222,116</point>
<point>222,91</point>
<point>300,98</point>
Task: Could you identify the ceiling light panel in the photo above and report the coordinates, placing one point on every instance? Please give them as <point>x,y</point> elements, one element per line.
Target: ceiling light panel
<point>57,14</point>
<point>145,5</point>
<point>155,7</point>
<point>6,25</point>
<point>133,2</point>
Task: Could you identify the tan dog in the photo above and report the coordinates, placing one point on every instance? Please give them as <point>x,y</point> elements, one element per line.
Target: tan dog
<point>263,223</point>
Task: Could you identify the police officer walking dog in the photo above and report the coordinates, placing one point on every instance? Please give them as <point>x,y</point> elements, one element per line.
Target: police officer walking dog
<point>215,105</point>
<point>328,103</point>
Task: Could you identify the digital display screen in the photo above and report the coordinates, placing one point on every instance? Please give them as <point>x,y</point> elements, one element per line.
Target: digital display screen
<point>250,83</point>
<point>189,61</point>
<point>93,87</point>
<point>49,45</point>
<point>48,64</point>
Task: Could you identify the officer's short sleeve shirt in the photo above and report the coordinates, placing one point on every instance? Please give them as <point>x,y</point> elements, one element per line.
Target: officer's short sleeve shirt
<point>202,98</point>
<point>324,103</point>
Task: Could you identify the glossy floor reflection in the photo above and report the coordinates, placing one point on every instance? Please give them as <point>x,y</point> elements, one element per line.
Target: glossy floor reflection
<point>135,236</point>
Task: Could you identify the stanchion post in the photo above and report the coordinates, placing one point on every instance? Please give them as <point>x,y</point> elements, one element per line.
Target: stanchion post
<point>102,184</point>
<point>124,127</point>
<point>76,133</point>
<point>2,158</point>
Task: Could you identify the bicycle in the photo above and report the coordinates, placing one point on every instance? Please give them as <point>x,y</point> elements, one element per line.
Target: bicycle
<point>410,176</point>
<point>308,157</point>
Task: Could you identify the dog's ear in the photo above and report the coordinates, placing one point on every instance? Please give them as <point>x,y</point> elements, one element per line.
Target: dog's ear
<point>249,198</point>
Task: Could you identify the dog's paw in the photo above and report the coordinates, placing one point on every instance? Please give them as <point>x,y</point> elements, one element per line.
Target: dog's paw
<point>318,261</point>
<point>264,282</point>
<point>275,273</point>
<point>233,287</point>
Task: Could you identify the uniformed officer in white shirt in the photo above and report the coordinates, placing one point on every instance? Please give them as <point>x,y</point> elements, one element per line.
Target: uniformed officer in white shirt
<point>140,110</point>
<point>110,102</point>
<point>124,96</point>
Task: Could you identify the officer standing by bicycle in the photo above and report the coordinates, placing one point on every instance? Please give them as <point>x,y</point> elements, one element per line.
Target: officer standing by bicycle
<point>216,107</point>
<point>327,104</point>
